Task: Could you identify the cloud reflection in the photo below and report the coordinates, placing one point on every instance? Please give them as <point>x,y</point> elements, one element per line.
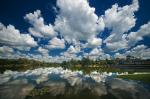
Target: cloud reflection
<point>67,83</point>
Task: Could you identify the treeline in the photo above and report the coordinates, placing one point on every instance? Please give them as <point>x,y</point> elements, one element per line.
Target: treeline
<point>86,64</point>
<point>23,64</point>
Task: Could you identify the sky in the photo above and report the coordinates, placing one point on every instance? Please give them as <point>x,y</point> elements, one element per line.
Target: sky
<point>61,30</point>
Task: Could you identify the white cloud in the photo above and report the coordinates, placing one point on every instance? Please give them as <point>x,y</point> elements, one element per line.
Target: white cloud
<point>129,40</point>
<point>94,42</point>
<point>118,55</point>
<point>39,29</point>
<point>68,56</point>
<point>71,53</point>
<point>56,43</point>
<point>10,36</point>
<point>43,51</point>
<point>105,56</point>
<point>134,37</point>
<point>97,53</point>
<point>77,20</point>
<point>6,52</point>
<point>120,20</point>
<point>140,51</point>
<point>73,50</point>
<point>58,59</point>
<point>78,24</point>
<point>9,53</point>
<point>6,49</point>
<point>78,45</point>
<point>115,46</point>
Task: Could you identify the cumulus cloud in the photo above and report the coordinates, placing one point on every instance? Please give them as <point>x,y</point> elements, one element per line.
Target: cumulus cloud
<point>140,51</point>
<point>77,20</point>
<point>71,53</point>
<point>6,49</point>
<point>73,49</point>
<point>97,53</point>
<point>94,42</point>
<point>6,52</point>
<point>129,40</point>
<point>134,37</point>
<point>120,20</point>
<point>115,46</point>
<point>9,53</point>
<point>118,55</point>
<point>11,36</point>
<point>77,25</point>
<point>39,29</point>
<point>56,43</point>
<point>43,51</point>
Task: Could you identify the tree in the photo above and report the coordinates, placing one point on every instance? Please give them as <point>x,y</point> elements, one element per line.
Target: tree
<point>85,62</point>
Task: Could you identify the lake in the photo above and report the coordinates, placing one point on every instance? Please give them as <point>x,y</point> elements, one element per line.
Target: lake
<point>57,83</point>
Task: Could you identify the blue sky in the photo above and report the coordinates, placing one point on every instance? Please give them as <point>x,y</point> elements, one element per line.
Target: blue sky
<point>57,30</point>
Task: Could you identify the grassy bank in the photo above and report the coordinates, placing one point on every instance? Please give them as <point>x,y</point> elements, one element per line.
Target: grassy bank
<point>139,77</point>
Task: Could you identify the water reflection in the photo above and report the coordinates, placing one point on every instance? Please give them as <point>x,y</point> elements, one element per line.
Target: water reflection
<point>56,83</point>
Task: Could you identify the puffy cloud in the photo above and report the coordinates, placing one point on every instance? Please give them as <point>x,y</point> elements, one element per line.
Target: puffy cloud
<point>115,46</point>
<point>6,49</point>
<point>94,42</point>
<point>58,59</point>
<point>39,29</point>
<point>73,49</point>
<point>10,36</point>
<point>68,56</point>
<point>140,51</point>
<point>43,51</point>
<point>56,43</point>
<point>105,56</point>
<point>6,52</point>
<point>134,37</point>
<point>129,40</point>
<point>118,55</point>
<point>10,53</point>
<point>120,20</point>
<point>97,53</point>
<point>71,53</point>
<point>78,24</point>
<point>78,45</point>
<point>77,20</point>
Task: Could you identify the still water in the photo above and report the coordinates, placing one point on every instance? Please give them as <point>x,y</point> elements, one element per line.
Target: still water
<point>56,83</point>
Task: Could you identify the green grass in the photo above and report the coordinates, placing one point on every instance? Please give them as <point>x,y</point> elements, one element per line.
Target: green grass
<point>139,77</point>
